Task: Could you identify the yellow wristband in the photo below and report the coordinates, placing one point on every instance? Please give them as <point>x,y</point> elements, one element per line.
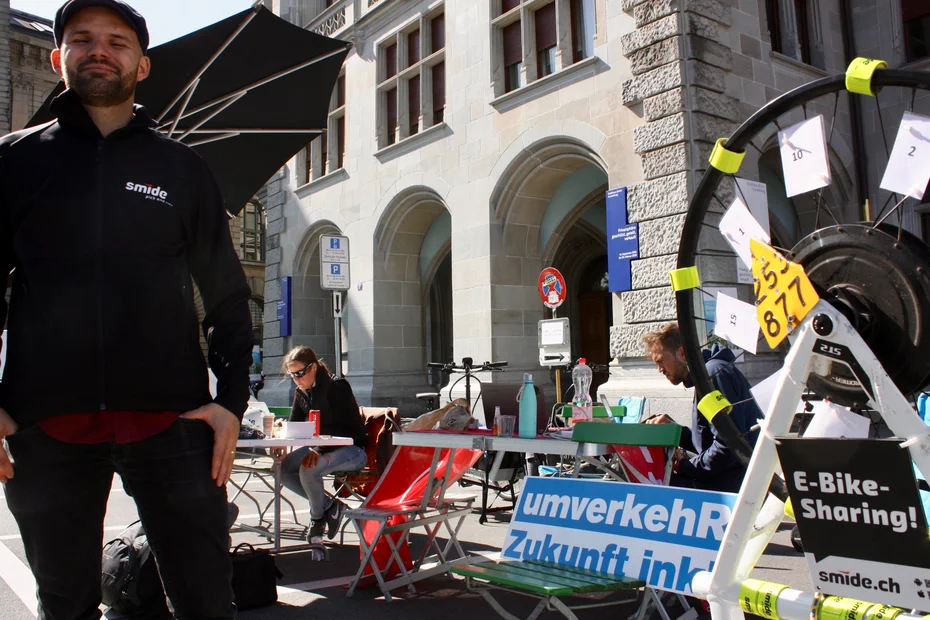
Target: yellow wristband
<point>724,160</point>
<point>685,278</point>
<point>859,75</point>
<point>712,404</point>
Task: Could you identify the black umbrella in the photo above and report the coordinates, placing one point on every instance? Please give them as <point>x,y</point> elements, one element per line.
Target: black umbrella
<point>246,93</point>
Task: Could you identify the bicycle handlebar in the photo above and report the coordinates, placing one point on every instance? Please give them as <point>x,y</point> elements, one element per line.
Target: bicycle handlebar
<point>467,367</point>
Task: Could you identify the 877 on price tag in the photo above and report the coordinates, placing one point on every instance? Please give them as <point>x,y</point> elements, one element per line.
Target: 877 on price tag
<point>784,295</point>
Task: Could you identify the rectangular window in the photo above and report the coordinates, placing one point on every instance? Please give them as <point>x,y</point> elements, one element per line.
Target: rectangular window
<point>795,30</point>
<point>341,91</point>
<point>323,153</point>
<point>391,108</point>
<point>390,61</point>
<point>340,141</point>
<point>925,226</point>
<point>509,5</point>
<point>439,92</point>
<point>583,29</point>
<point>413,94</point>
<point>546,39</point>
<point>438,32</point>
<point>253,247</point>
<point>413,48</point>
<point>415,99</point>
<point>513,56</point>
<point>772,17</point>
<point>916,14</point>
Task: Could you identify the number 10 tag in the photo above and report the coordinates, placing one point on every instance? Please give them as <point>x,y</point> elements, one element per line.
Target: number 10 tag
<point>784,295</point>
<point>804,156</point>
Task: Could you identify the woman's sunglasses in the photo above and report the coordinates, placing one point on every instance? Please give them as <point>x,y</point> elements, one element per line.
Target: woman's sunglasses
<point>300,373</point>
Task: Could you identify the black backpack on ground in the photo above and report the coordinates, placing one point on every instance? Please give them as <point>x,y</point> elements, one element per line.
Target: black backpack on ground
<point>129,580</point>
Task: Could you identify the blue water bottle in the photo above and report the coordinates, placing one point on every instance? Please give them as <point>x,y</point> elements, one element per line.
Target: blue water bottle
<point>527,411</point>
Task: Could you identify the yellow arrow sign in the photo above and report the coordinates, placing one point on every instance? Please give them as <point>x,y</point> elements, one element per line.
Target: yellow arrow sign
<point>784,294</point>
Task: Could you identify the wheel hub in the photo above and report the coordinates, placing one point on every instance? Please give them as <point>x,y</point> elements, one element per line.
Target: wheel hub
<point>881,285</point>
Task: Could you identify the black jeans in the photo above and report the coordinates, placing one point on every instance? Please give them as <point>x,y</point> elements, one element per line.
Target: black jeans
<point>58,496</point>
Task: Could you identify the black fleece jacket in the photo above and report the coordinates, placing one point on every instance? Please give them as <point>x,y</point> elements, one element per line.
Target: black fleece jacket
<point>103,236</point>
<point>339,413</point>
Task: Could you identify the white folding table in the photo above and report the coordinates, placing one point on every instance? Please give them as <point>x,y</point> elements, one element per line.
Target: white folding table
<point>314,442</point>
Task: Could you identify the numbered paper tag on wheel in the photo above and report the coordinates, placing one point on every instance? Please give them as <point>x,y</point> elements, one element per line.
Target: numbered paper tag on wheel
<point>784,295</point>
<point>804,156</point>
<point>736,322</point>
<point>908,170</point>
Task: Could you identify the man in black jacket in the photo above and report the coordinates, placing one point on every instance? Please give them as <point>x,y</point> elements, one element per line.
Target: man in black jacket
<point>103,223</point>
<point>714,466</point>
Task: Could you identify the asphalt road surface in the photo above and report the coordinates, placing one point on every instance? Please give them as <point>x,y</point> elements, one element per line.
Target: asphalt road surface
<point>320,587</point>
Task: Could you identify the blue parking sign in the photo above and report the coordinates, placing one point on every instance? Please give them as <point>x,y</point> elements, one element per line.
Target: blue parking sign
<point>335,269</point>
<point>334,243</point>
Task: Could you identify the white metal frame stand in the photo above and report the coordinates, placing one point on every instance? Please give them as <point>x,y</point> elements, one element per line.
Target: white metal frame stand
<point>824,335</point>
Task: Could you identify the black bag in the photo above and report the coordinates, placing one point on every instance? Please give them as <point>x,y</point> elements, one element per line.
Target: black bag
<point>254,577</point>
<point>129,578</point>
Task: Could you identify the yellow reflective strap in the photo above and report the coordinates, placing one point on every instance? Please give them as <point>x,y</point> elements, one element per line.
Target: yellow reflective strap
<point>885,612</point>
<point>685,278</point>
<point>859,75</point>
<point>712,404</point>
<point>724,160</point>
<point>789,509</point>
<point>760,597</point>
<point>842,608</point>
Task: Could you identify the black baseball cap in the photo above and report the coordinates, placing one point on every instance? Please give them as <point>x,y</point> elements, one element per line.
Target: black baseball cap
<point>129,15</point>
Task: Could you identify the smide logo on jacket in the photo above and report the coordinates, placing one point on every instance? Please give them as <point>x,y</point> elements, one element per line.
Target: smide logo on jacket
<point>151,192</point>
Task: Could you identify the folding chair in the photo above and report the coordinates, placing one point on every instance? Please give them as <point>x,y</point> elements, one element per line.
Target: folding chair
<point>411,494</point>
<point>380,422</point>
<point>258,468</point>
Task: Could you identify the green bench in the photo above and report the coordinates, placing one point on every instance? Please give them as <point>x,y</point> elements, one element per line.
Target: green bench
<point>549,582</point>
<point>545,581</point>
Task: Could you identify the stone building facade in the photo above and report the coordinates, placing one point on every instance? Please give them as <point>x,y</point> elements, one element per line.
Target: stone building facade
<point>458,171</point>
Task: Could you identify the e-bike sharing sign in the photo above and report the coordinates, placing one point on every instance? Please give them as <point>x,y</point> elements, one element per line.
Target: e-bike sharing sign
<point>662,535</point>
<point>860,517</point>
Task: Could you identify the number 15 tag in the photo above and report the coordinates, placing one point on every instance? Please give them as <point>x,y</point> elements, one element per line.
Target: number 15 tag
<point>784,295</point>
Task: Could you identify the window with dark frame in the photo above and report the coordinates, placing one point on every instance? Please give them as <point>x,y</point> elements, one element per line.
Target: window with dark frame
<point>438,33</point>
<point>253,232</point>
<point>414,97</point>
<point>413,48</point>
<point>793,32</point>
<point>513,56</point>
<point>326,152</point>
<point>413,109</point>
<point>509,5</point>
<point>544,21</point>
<point>391,106</point>
<point>583,29</point>
<point>916,16</point>
<point>439,92</point>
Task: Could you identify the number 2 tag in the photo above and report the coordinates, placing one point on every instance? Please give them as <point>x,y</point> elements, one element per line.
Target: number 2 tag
<point>908,170</point>
<point>784,294</point>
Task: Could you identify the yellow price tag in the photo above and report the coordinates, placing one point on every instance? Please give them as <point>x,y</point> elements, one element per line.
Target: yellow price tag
<point>784,295</point>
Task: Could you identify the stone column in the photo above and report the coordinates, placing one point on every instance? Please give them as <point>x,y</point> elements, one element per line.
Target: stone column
<point>276,391</point>
<point>680,72</point>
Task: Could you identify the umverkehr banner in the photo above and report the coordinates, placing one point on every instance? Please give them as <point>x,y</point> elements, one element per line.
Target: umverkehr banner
<point>662,535</point>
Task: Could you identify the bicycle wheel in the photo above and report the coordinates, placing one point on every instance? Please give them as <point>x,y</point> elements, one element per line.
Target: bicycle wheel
<point>860,260</point>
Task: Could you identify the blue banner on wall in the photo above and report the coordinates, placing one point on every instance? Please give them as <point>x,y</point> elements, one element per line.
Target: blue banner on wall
<point>662,535</point>
<point>622,242</point>
<point>284,306</point>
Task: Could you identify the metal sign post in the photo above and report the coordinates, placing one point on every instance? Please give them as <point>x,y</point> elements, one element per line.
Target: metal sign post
<point>552,292</point>
<point>334,276</point>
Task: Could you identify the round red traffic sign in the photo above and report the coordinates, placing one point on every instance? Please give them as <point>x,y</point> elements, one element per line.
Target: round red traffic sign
<point>551,286</point>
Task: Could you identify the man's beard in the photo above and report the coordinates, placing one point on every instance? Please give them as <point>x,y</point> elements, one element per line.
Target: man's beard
<point>98,90</point>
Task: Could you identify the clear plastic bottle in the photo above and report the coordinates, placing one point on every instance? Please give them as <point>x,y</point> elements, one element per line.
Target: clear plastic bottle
<point>582,410</point>
<point>527,410</point>
<point>497,421</point>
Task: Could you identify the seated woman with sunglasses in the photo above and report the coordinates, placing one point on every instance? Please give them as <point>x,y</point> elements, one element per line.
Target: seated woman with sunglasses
<point>303,469</point>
